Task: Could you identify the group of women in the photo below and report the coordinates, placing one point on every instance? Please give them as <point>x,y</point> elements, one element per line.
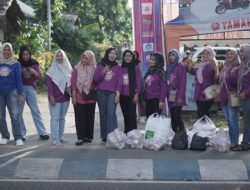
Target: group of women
<point>109,83</point>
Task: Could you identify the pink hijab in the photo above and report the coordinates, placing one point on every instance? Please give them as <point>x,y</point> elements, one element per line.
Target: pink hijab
<point>85,72</point>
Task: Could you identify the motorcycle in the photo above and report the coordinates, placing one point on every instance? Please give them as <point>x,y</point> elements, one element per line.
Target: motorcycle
<point>225,5</point>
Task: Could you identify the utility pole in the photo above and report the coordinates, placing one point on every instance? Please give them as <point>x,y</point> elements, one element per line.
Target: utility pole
<point>49,23</point>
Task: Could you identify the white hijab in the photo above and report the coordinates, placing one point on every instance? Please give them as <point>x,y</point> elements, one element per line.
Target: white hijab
<point>60,72</point>
<point>11,59</point>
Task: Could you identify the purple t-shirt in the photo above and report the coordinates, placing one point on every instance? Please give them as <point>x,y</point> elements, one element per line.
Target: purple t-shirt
<point>155,87</point>
<point>53,90</point>
<point>109,81</point>
<point>123,83</point>
<point>29,79</point>
<point>231,77</point>
<point>178,81</point>
<point>246,85</point>
<point>209,79</point>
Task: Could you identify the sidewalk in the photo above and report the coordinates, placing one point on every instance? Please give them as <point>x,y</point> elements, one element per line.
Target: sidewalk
<point>38,159</point>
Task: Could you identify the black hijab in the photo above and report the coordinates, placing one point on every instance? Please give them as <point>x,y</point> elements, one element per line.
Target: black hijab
<point>158,68</point>
<point>131,71</point>
<point>105,60</point>
<point>28,63</point>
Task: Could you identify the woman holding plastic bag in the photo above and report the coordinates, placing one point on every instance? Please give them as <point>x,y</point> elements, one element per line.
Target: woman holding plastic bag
<point>155,84</point>
<point>206,75</point>
<point>243,89</point>
<point>228,82</point>
<point>177,79</point>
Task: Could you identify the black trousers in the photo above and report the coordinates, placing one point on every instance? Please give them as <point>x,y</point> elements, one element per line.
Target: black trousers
<point>176,120</point>
<point>203,108</point>
<point>84,120</point>
<point>152,106</point>
<point>128,108</point>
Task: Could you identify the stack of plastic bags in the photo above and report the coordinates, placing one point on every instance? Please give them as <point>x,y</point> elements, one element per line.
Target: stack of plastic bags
<point>134,139</point>
<point>116,140</point>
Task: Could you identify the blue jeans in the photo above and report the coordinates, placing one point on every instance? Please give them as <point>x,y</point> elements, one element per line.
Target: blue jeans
<point>245,106</point>
<point>57,120</point>
<point>232,117</point>
<point>107,110</point>
<point>30,97</point>
<point>11,101</point>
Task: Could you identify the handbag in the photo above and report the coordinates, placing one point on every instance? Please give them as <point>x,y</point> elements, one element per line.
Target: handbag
<point>198,143</point>
<point>90,96</point>
<point>211,91</point>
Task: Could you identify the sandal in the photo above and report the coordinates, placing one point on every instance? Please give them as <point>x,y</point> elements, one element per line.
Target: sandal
<point>233,146</point>
<point>240,148</point>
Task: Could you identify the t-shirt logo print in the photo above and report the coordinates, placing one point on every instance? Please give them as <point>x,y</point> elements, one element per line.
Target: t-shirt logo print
<point>4,71</point>
<point>108,75</point>
<point>125,80</point>
<point>149,80</point>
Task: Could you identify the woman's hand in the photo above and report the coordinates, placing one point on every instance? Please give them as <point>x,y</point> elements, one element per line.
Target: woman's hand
<point>52,100</point>
<point>161,105</point>
<point>180,101</point>
<point>105,70</point>
<point>135,99</point>
<point>117,98</point>
<point>242,95</point>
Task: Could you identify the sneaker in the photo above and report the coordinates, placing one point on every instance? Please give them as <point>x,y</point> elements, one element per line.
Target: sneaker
<point>19,142</point>
<point>4,141</point>
<point>44,137</point>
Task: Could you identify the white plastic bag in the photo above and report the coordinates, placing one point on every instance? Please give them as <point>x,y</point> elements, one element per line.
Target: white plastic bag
<point>154,144</point>
<point>157,126</point>
<point>221,142</point>
<point>204,127</point>
<point>116,139</point>
<point>134,139</point>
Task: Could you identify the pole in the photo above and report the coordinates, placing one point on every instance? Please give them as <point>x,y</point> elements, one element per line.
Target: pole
<point>49,23</point>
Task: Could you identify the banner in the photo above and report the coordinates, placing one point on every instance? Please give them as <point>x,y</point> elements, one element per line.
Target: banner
<point>148,28</point>
<point>214,16</point>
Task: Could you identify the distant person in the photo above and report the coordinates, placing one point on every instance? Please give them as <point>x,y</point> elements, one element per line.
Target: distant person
<point>141,102</point>
<point>82,83</point>
<point>58,81</point>
<point>106,79</point>
<point>129,88</point>
<point>205,76</point>
<point>155,84</point>
<point>11,94</point>
<point>177,80</point>
<point>244,93</point>
<point>228,82</point>
<point>30,74</point>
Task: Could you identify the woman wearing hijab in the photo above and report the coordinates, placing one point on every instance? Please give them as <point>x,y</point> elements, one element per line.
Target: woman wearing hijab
<point>82,82</point>
<point>106,79</point>
<point>30,75</point>
<point>243,89</point>
<point>228,83</point>
<point>11,93</point>
<point>129,87</point>
<point>58,81</point>
<point>177,79</point>
<point>205,76</point>
<point>155,84</point>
